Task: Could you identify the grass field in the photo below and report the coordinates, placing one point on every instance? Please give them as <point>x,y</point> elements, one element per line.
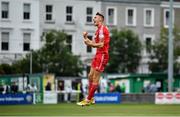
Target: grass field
<point>94,110</point>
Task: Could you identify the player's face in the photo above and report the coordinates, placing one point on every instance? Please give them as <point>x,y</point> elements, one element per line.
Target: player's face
<point>96,20</point>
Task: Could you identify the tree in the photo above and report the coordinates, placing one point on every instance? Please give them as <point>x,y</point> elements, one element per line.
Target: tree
<point>54,57</point>
<point>125,51</point>
<point>5,69</point>
<point>159,55</point>
<point>23,65</point>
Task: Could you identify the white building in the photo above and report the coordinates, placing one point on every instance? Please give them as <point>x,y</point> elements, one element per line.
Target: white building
<point>23,22</point>
<point>140,16</point>
<point>19,28</point>
<point>73,17</point>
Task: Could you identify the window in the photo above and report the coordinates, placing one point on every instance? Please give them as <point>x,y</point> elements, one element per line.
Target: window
<point>5,41</point>
<point>26,13</point>
<point>111,16</point>
<point>49,11</point>
<point>148,43</point>
<point>166,17</point>
<point>148,17</point>
<point>131,16</point>
<point>69,42</point>
<point>89,12</point>
<point>26,41</point>
<point>69,12</point>
<point>89,49</point>
<point>5,10</point>
<point>88,68</point>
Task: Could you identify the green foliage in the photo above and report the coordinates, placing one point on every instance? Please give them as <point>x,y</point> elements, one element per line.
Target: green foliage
<point>125,51</point>
<point>54,57</point>
<point>6,69</point>
<point>23,65</point>
<point>159,55</point>
<point>57,57</point>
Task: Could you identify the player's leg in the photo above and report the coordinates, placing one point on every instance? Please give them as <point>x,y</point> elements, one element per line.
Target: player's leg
<point>98,66</point>
<point>90,79</point>
<point>94,76</point>
<point>95,84</point>
<point>101,62</point>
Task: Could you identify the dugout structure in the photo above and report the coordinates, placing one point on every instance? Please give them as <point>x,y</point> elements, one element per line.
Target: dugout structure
<point>27,83</point>
<point>136,83</point>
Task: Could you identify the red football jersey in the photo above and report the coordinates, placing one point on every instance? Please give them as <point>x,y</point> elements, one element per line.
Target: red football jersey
<point>102,33</point>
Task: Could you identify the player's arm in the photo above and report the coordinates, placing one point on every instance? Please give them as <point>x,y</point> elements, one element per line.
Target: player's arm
<point>88,42</point>
<point>94,44</point>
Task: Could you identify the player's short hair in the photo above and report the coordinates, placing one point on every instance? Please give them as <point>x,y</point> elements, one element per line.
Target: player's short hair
<point>101,15</point>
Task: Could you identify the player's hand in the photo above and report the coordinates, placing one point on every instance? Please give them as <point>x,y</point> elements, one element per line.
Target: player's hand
<point>85,35</point>
<point>87,41</point>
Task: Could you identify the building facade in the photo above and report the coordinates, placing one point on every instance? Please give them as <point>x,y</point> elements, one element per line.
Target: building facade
<point>23,23</point>
<point>73,17</point>
<point>165,13</point>
<point>141,16</point>
<point>19,28</point>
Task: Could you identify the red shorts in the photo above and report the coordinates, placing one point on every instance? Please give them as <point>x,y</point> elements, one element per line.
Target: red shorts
<point>99,62</point>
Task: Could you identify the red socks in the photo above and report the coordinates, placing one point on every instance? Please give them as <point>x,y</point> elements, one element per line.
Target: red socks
<point>90,85</point>
<point>92,90</point>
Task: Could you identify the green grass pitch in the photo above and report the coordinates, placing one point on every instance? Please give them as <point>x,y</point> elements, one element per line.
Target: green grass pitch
<point>72,109</point>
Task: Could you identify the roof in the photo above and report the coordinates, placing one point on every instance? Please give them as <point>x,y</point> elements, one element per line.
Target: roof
<point>152,75</point>
<point>135,1</point>
<point>173,0</point>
